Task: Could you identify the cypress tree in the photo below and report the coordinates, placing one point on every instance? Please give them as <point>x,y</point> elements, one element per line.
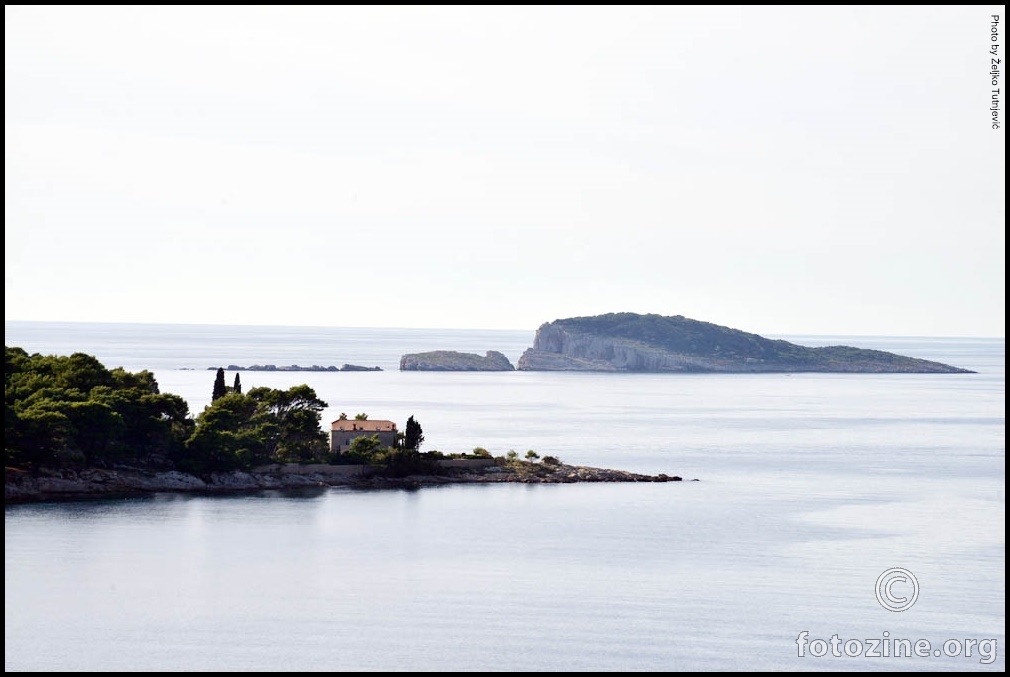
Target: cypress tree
<point>413,435</point>
<point>238,384</point>
<point>220,389</point>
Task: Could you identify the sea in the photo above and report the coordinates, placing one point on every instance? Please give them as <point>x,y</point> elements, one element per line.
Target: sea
<point>838,521</point>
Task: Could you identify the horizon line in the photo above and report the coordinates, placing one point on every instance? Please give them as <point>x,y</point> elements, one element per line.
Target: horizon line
<point>309,326</point>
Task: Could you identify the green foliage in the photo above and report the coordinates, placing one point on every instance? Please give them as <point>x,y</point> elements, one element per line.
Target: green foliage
<point>363,447</point>
<point>343,416</point>
<point>237,387</point>
<point>72,410</point>
<point>220,389</point>
<point>62,411</point>
<point>36,436</point>
<point>413,435</point>
<point>265,425</point>
<point>403,462</point>
<point>551,460</point>
<point>361,417</point>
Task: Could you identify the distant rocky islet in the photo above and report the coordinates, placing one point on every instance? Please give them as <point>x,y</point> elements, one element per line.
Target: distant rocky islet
<point>630,342</point>
<point>295,367</point>
<point>450,360</point>
<point>635,343</point>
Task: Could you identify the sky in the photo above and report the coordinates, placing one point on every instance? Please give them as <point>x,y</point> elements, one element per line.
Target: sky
<point>818,170</point>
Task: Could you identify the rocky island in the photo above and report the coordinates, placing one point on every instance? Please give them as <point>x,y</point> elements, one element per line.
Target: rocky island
<point>628,342</point>
<point>295,367</point>
<point>450,360</point>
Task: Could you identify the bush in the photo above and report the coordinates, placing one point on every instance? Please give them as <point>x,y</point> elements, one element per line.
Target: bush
<point>551,460</point>
<point>403,462</point>
<point>481,452</point>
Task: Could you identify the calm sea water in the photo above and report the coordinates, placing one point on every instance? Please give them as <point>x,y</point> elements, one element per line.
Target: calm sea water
<point>811,486</point>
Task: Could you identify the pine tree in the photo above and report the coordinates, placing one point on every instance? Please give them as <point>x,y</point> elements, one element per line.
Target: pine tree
<point>238,384</point>
<point>220,389</point>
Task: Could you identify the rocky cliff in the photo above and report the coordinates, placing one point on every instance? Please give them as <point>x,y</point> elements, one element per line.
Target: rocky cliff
<point>450,360</point>
<point>627,342</point>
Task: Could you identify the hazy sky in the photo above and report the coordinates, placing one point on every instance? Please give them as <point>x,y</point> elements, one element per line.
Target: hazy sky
<point>780,170</point>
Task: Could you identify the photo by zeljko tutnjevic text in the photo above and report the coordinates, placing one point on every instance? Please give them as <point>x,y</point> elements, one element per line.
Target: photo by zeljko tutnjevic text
<point>995,71</point>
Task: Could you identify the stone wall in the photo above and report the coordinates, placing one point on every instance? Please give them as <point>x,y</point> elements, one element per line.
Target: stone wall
<point>466,463</point>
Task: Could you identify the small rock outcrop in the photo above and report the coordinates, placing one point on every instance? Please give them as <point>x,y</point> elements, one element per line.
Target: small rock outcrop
<point>295,367</point>
<point>357,367</point>
<point>628,342</point>
<point>450,360</point>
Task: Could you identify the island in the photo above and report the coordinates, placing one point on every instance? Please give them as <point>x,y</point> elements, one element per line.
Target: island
<point>629,342</point>
<point>450,360</point>
<point>295,367</point>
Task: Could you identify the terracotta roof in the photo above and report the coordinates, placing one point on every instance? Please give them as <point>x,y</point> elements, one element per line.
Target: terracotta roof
<point>368,426</point>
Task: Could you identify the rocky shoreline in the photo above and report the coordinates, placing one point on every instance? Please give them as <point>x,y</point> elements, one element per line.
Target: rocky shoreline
<point>70,485</point>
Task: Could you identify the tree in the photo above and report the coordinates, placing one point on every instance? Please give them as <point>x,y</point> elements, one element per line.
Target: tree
<point>361,417</point>
<point>262,426</point>
<point>238,384</point>
<point>363,446</point>
<point>72,411</point>
<point>297,412</point>
<point>413,436</point>
<point>220,389</point>
<point>532,456</point>
<point>343,416</point>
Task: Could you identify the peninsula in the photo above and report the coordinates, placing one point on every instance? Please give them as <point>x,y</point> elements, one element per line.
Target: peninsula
<point>75,429</point>
<point>628,342</point>
<point>42,485</point>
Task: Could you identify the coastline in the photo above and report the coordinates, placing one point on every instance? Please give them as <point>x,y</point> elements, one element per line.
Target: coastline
<point>44,486</point>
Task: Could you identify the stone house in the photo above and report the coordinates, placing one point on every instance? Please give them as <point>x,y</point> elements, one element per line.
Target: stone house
<point>345,431</point>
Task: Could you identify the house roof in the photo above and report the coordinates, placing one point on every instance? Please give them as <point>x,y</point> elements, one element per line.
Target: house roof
<point>368,426</point>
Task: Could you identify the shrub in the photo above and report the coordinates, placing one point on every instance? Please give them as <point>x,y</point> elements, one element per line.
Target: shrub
<point>404,462</point>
